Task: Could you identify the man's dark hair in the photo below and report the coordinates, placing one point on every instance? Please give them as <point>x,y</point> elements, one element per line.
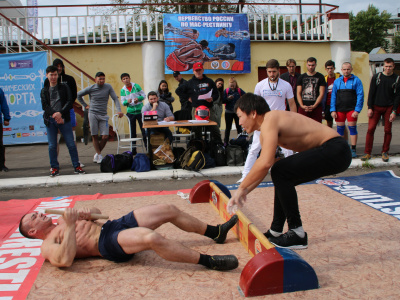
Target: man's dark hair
<point>22,230</point>
<point>204,43</point>
<point>389,60</point>
<point>232,46</point>
<point>330,63</point>
<point>51,69</point>
<point>152,93</point>
<point>272,64</point>
<point>250,102</point>
<point>312,59</point>
<point>125,75</point>
<point>98,74</point>
<point>289,61</point>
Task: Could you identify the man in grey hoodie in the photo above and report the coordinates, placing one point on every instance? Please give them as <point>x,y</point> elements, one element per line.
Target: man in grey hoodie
<point>98,118</point>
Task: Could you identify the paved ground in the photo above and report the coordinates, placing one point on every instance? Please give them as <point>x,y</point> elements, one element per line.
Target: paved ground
<point>29,169</point>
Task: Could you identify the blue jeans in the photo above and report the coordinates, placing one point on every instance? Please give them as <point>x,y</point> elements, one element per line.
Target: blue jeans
<point>66,131</point>
<point>132,119</point>
<point>2,149</point>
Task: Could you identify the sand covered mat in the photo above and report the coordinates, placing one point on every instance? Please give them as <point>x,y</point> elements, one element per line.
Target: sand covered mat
<point>353,248</point>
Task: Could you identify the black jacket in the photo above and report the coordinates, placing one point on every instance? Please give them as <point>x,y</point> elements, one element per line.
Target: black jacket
<point>183,98</point>
<point>64,78</point>
<point>66,102</point>
<point>196,87</point>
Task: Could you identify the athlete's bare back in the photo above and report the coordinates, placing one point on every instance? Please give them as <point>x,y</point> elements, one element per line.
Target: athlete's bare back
<point>294,132</point>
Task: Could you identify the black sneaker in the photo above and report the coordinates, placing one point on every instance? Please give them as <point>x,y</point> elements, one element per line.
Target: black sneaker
<point>224,262</point>
<point>79,170</point>
<point>5,169</point>
<point>54,172</point>
<point>290,240</point>
<point>268,234</point>
<point>224,228</point>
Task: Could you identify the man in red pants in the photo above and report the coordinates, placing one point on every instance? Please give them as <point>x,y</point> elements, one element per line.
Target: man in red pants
<point>383,100</point>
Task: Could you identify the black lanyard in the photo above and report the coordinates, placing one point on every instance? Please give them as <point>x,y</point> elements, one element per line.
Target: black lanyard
<point>273,88</point>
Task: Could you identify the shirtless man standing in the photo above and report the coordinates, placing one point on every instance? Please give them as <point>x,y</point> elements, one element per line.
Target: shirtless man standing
<point>321,152</point>
<point>75,236</point>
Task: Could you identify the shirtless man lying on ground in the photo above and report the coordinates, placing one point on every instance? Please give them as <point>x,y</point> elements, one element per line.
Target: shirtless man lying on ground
<point>75,236</point>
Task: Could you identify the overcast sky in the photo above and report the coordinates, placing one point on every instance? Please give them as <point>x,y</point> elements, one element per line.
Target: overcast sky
<point>391,6</point>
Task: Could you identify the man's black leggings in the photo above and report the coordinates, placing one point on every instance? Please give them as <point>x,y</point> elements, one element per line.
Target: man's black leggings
<point>332,157</point>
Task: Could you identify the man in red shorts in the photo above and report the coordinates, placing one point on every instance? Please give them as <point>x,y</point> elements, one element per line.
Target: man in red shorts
<point>346,103</point>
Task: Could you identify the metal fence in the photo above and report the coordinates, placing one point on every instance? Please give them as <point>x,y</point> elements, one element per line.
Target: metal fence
<point>106,24</point>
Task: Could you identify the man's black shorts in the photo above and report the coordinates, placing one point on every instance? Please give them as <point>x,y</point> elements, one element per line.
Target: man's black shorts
<point>108,240</point>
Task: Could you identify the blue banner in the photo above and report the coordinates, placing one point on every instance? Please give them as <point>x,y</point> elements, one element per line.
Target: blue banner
<point>21,78</point>
<point>220,41</point>
<point>380,190</point>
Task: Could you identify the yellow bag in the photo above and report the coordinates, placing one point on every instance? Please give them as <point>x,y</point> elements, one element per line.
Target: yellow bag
<point>183,130</point>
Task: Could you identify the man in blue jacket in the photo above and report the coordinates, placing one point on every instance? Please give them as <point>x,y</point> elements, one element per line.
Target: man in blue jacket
<point>347,102</point>
<point>6,112</point>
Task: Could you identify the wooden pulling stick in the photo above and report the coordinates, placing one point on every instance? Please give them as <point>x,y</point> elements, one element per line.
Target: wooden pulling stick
<point>61,212</point>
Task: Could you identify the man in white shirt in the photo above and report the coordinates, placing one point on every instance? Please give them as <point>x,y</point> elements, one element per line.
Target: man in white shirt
<point>275,92</point>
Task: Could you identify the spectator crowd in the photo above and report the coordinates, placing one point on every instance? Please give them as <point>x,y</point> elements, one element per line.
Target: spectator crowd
<point>335,97</point>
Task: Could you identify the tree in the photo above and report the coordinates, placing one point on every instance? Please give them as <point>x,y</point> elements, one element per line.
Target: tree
<point>396,43</point>
<point>368,29</point>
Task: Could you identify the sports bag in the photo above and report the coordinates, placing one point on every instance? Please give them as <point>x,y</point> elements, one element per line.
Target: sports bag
<point>114,163</point>
<point>141,163</point>
<point>220,155</point>
<point>234,155</point>
<point>192,159</point>
<point>209,161</point>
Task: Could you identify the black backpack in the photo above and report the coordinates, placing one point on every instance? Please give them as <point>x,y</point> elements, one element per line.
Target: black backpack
<point>220,155</point>
<point>198,144</point>
<point>118,162</point>
<point>192,159</point>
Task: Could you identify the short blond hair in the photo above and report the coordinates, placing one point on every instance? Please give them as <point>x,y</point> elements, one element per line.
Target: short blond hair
<point>233,79</point>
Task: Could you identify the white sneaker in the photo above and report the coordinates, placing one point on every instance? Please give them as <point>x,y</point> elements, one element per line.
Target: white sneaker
<point>240,180</point>
<point>99,158</point>
<point>96,158</point>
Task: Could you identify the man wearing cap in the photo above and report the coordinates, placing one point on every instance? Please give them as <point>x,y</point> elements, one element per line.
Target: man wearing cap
<point>200,84</point>
<point>98,118</point>
<point>185,104</point>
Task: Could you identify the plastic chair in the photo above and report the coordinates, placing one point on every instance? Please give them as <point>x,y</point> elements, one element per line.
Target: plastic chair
<point>122,128</point>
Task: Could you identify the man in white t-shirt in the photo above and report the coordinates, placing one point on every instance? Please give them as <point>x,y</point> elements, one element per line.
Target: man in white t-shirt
<point>275,92</point>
